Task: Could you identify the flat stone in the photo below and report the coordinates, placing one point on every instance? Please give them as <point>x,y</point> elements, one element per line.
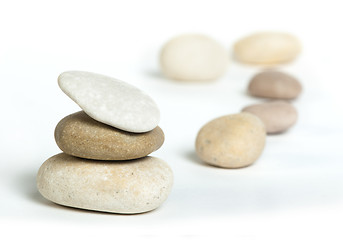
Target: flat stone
<point>111,101</point>
<point>126,187</point>
<point>193,57</point>
<point>277,116</point>
<point>267,48</point>
<point>231,141</point>
<point>274,84</point>
<point>81,136</point>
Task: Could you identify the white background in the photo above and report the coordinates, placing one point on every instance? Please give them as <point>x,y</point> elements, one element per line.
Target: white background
<point>295,189</point>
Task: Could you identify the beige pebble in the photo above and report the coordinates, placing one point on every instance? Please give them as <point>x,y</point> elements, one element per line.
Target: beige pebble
<point>81,136</point>
<point>119,187</point>
<point>193,57</point>
<point>274,84</point>
<point>231,141</point>
<point>277,116</point>
<point>267,48</point>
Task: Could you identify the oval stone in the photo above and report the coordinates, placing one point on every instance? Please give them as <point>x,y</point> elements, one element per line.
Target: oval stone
<point>267,48</point>
<point>274,84</point>
<point>111,101</point>
<point>81,136</point>
<point>231,141</point>
<point>277,116</point>
<point>119,187</point>
<point>193,57</point>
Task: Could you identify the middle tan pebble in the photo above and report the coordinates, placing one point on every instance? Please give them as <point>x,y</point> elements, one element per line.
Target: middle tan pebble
<point>231,141</point>
<point>81,136</point>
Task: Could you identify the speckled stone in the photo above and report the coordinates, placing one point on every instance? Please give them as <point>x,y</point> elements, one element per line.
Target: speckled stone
<point>81,136</point>
<point>193,58</point>
<point>277,116</point>
<point>274,84</point>
<point>267,48</point>
<point>119,187</point>
<point>111,101</point>
<point>231,141</point>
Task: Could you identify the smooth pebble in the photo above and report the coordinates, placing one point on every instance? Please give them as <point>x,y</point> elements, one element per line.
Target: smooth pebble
<point>119,187</point>
<point>111,101</point>
<point>193,57</point>
<point>81,136</point>
<point>267,48</point>
<point>231,141</point>
<point>274,84</point>
<point>277,116</point>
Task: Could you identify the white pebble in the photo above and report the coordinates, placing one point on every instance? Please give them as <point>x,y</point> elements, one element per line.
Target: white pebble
<point>111,101</point>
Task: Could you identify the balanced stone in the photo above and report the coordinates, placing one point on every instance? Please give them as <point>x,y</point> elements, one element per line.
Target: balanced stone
<point>193,57</point>
<point>111,101</point>
<point>267,48</point>
<point>277,116</point>
<point>119,187</point>
<point>274,84</point>
<point>81,136</point>
<point>231,141</point>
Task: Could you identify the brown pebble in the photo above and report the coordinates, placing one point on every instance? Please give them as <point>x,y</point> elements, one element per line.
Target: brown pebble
<point>274,84</point>
<point>231,141</point>
<point>81,136</point>
<point>277,116</point>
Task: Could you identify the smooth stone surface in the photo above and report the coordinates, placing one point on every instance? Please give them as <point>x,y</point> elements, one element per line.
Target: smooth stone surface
<point>267,48</point>
<point>274,84</point>
<point>111,101</point>
<point>119,187</point>
<point>231,141</point>
<point>81,136</point>
<point>277,116</point>
<point>193,57</point>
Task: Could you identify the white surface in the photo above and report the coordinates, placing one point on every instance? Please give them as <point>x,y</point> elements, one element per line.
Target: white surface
<point>294,191</point>
<point>111,101</point>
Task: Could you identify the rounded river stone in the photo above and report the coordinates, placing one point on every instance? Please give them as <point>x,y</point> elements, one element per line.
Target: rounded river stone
<point>231,141</point>
<point>81,136</point>
<point>274,84</point>
<point>119,187</point>
<point>267,48</point>
<point>193,57</point>
<point>111,101</point>
<point>277,116</point>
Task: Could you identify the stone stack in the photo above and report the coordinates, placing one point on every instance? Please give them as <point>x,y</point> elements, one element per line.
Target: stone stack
<point>104,165</point>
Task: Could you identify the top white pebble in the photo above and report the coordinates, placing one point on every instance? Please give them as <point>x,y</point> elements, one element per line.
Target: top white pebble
<point>111,101</point>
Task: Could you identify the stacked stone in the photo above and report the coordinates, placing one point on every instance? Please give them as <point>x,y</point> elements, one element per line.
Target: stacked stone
<point>104,165</point>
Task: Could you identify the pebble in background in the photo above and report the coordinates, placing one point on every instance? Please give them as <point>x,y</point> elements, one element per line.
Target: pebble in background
<point>267,48</point>
<point>231,141</point>
<point>277,116</point>
<point>274,84</point>
<point>128,187</point>
<point>193,58</point>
